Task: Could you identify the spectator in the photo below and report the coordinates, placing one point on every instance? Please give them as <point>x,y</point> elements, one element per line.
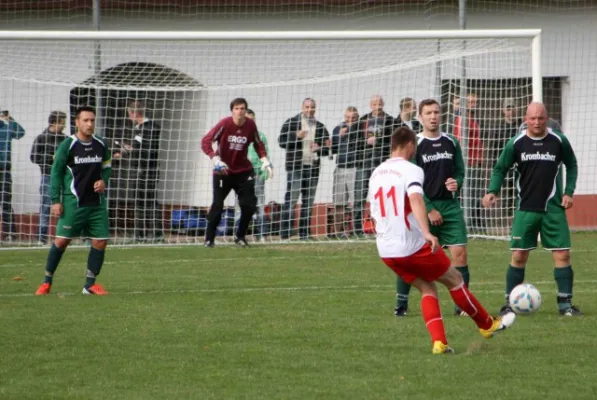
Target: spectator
<point>473,151</point>
<point>9,130</point>
<point>305,140</point>
<point>407,116</point>
<point>507,127</point>
<point>42,153</point>
<point>344,144</point>
<point>261,175</point>
<point>453,112</point>
<point>373,148</point>
<point>144,156</point>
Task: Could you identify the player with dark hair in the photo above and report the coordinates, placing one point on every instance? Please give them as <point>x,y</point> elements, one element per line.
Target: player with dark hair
<point>232,169</point>
<point>406,245</point>
<point>80,174</point>
<point>538,153</point>
<point>440,157</point>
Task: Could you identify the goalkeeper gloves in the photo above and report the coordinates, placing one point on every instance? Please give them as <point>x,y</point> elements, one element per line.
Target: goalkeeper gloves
<point>266,166</point>
<point>219,166</point>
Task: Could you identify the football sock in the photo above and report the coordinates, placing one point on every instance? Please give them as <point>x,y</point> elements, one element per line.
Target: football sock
<point>433,318</point>
<point>564,278</point>
<point>465,274</point>
<point>514,277</point>
<point>402,291</point>
<point>94,265</point>
<point>54,257</point>
<point>468,303</point>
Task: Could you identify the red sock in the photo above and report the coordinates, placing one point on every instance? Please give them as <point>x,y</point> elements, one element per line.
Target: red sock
<point>433,318</point>
<point>470,305</point>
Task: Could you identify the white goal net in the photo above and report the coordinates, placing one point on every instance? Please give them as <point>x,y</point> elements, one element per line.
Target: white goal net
<point>185,86</point>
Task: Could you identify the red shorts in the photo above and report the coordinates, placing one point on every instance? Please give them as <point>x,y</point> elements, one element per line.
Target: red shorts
<point>423,264</point>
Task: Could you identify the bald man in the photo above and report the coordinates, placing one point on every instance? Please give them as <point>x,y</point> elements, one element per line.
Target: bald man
<point>538,153</point>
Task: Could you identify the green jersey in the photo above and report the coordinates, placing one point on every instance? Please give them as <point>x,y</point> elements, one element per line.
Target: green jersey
<point>538,163</point>
<point>254,157</point>
<point>440,158</point>
<point>77,166</point>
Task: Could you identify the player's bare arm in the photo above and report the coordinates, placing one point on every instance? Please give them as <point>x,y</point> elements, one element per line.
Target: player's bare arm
<point>420,212</point>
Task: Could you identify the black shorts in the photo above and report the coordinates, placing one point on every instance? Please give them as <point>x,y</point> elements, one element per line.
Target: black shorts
<point>243,185</point>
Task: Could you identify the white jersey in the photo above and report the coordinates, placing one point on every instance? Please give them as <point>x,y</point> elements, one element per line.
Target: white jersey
<point>398,233</point>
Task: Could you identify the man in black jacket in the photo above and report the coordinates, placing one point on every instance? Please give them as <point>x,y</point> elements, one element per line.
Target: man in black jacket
<point>305,140</point>
<point>144,156</point>
<point>373,148</point>
<point>407,116</point>
<point>42,153</point>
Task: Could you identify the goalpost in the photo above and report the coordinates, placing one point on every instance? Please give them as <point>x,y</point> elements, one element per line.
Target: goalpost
<point>185,81</point>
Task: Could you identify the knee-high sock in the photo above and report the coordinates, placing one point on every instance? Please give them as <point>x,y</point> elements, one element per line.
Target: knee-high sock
<point>433,318</point>
<point>468,303</point>
<point>402,291</point>
<point>514,277</point>
<point>565,279</point>
<point>54,257</point>
<point>95,260</point>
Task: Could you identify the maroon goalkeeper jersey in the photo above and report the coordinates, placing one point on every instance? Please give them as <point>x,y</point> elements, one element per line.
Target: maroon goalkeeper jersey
<point>232,142</point>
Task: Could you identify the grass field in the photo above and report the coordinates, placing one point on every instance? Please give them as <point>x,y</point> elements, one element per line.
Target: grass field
<point>281,322</point>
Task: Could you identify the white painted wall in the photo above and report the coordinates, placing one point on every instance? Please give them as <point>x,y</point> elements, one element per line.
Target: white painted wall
<point>569,49</point>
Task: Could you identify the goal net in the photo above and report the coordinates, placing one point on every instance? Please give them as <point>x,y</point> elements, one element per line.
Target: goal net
<point>185,81</point>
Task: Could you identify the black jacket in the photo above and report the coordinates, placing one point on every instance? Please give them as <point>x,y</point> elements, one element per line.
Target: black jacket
<point>371,156</point>
<point>146,148</point>
<point>294,146</point>
<point>43,150</point>
<point>417,127</point>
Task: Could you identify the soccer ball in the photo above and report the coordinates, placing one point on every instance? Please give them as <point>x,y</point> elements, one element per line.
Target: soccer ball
<point>525,299</point>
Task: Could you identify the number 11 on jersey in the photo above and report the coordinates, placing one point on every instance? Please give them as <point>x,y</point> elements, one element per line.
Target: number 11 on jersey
<point>391,194</point>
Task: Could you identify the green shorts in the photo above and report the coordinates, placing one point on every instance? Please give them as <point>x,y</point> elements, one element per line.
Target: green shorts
<point>452,232</point>
<point>89,222</point>
<point>552,225</point>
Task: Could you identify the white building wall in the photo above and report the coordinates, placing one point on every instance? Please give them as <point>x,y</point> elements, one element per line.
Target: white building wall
<point>569,50</point>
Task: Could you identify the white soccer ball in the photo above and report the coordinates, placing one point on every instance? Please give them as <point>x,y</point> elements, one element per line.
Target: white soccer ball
<point>525,299</point>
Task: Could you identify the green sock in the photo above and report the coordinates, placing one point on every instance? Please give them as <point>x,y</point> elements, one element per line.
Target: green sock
<point>54,257</point>
<point>565,279</point>
<point>94,265</point>
<point>402,291</point>
<point>465,274</point>
<point>514,277</point>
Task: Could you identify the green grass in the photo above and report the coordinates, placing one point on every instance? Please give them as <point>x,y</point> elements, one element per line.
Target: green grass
<point>280,322</point>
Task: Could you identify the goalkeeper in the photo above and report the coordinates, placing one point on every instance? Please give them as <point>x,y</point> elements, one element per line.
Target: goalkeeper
<point>80,173</point>
<point>232,168</point>
<point>538,153</point>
